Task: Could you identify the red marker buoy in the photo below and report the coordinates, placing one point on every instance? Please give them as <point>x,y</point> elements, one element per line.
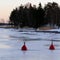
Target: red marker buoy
<point>24,48</point>
<point>52,47</point>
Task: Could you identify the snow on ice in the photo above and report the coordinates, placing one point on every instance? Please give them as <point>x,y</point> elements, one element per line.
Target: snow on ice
<point>11,41</point>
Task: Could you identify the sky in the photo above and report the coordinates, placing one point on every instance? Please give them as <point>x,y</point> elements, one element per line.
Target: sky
<point>6,6</point>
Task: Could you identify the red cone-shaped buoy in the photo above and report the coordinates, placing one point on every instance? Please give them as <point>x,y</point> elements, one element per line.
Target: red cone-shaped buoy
<point>52,47</point>
<point>24,48</point>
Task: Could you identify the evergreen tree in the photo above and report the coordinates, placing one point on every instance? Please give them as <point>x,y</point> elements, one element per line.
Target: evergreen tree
<point>52,13</point>
<point>14,17</point>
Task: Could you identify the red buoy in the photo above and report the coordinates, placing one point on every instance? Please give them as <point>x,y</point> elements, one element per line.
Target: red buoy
<point>52,47</point>
<point>24,48</point>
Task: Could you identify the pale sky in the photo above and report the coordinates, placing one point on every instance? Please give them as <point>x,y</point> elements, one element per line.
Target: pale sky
<point>6,6</point>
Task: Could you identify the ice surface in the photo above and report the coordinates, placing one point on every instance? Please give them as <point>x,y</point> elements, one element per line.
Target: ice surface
<point>11,41</point>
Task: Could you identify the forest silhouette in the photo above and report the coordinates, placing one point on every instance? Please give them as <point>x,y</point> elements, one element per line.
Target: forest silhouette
<point>32,16</point>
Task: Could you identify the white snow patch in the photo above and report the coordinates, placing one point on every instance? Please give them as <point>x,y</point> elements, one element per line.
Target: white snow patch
<point>4,46</point>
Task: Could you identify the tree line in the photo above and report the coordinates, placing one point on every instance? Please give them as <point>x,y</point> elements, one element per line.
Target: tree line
<point>32,16</point>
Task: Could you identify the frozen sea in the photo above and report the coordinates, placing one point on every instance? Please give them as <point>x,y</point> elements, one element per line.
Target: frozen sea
<point>11,41</point>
